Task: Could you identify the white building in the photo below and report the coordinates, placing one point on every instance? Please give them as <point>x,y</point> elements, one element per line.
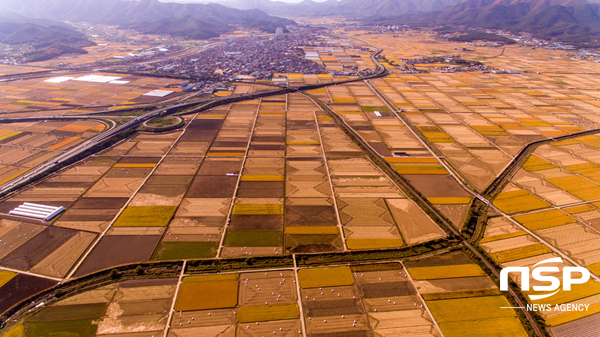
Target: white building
<point>278,32</point>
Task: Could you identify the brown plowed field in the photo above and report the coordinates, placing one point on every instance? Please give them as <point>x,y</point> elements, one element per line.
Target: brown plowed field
<point>100,203</point>
<point>20,288</point>
<point>310,216</point>
<point>433,185</point>
<point>212,187</point>
<point>114,250</point>
<point>220,167</point>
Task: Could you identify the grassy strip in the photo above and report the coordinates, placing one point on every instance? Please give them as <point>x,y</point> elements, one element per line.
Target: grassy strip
<point>307,260</point>
<point>238,264</point>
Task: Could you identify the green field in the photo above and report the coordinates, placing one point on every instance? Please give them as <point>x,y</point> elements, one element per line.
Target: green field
<point>70,313</point>
<point>253,239</point>
<point>82,328</point>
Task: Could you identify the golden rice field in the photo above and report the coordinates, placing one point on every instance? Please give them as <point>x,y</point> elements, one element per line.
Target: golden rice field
<point>201,295</point>
<point>544,219</point>
<point>265,313</point>
<point>519,201</point>
<point>325,277</point>
<point>520,253</point>
<point>443,272</point>
<point>6,276</point>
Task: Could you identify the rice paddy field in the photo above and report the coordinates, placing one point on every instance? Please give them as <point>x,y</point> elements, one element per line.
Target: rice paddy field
<point>262,177</point>
<point>277,175</point>
<point>80,93</point>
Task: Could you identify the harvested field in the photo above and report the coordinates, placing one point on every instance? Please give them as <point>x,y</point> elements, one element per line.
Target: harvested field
<point>17,233</point>
<point>265,313</point>
<point>414,224</point>
<point>100,295</point>
<point>207,295</point>
<point>115,187</point>
<point>256,223</point>
<point>218,317</point>
<point>114,250</point>
<point>437,186</point>
<point>402,323</point>
<point>185,251</point>
<point>213,207</point>
<point>445,287</point>
<point>585,327</point>
<point>59,262</point>
<point>336,326</point>
<point>287,328</point>
<point>178,166</point>
<point>518,241</point>
<point>260,288</point>
<point>391,303</point>
<point>37,248</point>
<point>362,211</point>
<point>145,216</point>
<point>325,277</point>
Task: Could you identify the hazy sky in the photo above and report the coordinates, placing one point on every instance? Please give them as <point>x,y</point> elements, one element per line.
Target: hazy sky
<point>217,1</point>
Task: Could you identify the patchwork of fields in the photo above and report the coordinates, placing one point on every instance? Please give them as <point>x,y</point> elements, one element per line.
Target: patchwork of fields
<point>277,176</point>
<point>362,300</point>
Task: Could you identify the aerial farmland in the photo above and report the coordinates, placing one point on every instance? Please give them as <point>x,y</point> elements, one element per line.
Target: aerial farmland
<point>370,200</point>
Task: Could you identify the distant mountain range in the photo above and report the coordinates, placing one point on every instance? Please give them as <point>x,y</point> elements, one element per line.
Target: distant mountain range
<point>574,21</point>
<point>192,20</point>
<point>354,8</point>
